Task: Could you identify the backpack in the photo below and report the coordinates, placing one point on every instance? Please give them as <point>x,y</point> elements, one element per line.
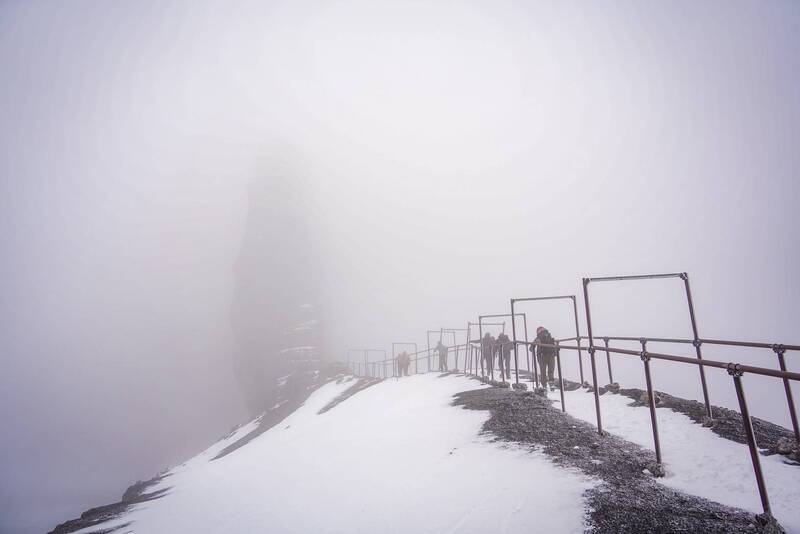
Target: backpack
<point>547,339</point>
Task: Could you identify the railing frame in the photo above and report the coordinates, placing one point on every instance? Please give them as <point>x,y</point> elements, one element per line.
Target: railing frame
<point>575,316</point>
<point>473,359</point>
<point>513,327</point>
<point>696,341</point>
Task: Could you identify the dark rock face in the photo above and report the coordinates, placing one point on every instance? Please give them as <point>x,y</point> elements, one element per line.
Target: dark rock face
<point>360,385</point>
<point>95,516</point>
<point>629,500</point>
<point>274,314</point>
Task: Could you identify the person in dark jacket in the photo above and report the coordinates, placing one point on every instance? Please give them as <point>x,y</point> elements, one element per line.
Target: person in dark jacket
<point>487,351</point>
<point>442,349</point>
<point>504,346</point>
<point>545,355</point>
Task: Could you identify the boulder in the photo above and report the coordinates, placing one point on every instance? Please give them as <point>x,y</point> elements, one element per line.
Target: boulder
<point>645,398</point>
<point>786,446</point>
<point>520,386</point>
<point>656,469</point>
<point>769,524</point>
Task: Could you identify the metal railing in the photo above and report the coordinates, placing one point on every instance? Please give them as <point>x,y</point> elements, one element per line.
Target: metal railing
<point>474,356</point>
<point>736,371</point>
<point>779,350</point>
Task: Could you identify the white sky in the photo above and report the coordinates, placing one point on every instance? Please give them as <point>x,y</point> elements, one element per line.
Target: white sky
<point>457,154</point>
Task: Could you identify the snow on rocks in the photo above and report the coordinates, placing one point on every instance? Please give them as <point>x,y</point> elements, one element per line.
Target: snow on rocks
<point>696,460</point>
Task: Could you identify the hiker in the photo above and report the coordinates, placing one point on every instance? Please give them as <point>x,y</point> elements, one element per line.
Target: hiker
<point>487,351</point>
<point>504,354</point>
<point>546,356</point>
<point>403,362</point>
<point>442,349</point>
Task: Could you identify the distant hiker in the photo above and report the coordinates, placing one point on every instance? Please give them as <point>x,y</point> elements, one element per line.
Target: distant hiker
<point>442,349</point>
<point>546,356</point>
<point>504,346</point>
<point>403,363</point>
<point>487,351</point>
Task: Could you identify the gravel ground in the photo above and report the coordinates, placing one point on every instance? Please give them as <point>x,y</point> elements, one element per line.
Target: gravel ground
<point>629,500</point>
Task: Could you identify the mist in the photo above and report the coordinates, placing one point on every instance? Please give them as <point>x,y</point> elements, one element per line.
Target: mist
<point>174,176</point>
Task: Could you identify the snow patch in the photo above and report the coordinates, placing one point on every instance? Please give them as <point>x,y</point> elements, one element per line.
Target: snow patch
<point>697,460</point>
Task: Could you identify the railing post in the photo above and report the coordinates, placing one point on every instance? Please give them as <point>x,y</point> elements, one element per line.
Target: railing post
<point>528,354</point>
<point>480,341</point>
<point>514,336</point>
<point>560,377</point>
<point>577,336</point>
<point>735,371</point>
<point>608,362</point>
<point>429,350</point>
<point>697,343</point>
<point>591,355</point>
<point>780,350</point>
<point>651,400</point>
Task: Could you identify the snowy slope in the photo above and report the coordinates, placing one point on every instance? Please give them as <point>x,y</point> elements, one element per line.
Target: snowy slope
<point>395,457</point>
<point>697,460</point>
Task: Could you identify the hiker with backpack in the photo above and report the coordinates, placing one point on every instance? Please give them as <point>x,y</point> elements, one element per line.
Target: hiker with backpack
<point>504,355</point>
<point>545,355</point>
<point>487,352</point>
<point>442,349</point>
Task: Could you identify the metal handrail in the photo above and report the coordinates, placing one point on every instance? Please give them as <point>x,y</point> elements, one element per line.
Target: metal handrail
<point>734,369</point>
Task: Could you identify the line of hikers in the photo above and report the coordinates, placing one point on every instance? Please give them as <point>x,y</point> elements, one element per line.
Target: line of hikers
<point>500,348</point>
<point>404,360</point>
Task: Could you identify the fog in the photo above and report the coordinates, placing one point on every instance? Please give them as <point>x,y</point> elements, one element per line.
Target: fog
<point>417,165</point>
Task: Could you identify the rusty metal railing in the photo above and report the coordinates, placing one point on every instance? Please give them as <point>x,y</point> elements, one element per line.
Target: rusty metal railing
<point>736,371</point>
<point>474,356</point>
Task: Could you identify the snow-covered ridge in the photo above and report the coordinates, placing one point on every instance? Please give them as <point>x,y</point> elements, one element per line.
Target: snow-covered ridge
<point>367,454</point>
<point>397,456</point>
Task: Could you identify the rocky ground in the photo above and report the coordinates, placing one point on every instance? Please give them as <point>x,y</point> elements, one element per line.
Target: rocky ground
<point>137,493</point>
<point>629,499</point>
<point>771,438</point>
